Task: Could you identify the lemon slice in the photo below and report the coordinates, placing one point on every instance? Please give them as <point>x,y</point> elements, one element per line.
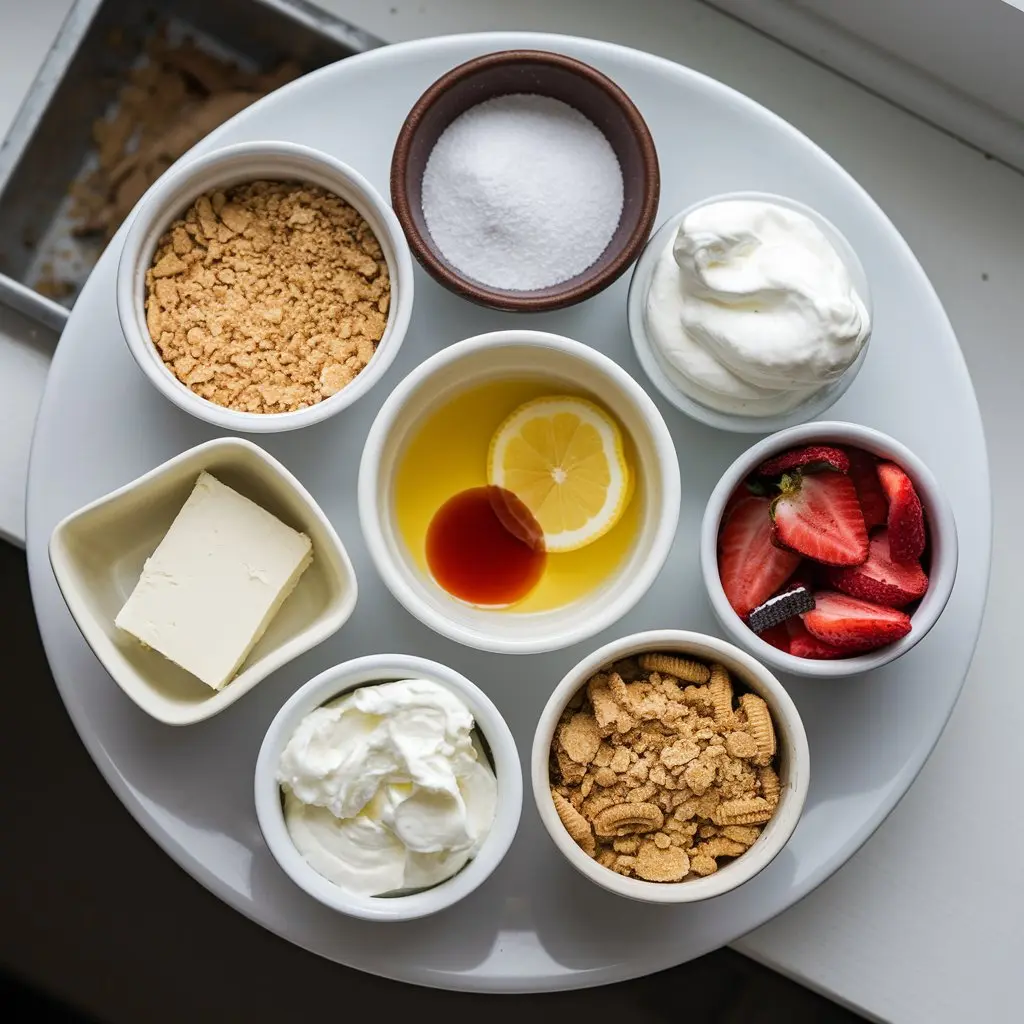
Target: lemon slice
<point>563,457</point>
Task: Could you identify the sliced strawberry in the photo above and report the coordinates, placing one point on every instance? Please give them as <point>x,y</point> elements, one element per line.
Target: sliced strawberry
<point>819,516</point>
<point>750,566</point>
<point>852,624</point>
<point>906,517</point>
<point>735,498</point>
<point>873,502</point>
<point>880,579</point>
<point>804,645</point>
<point>808,459</point>
<point>778,636</point>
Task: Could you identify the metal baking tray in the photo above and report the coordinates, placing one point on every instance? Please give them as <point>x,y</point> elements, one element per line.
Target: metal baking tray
<point>50,143</point>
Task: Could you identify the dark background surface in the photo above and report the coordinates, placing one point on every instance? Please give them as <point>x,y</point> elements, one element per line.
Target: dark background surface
<point>93,915</point>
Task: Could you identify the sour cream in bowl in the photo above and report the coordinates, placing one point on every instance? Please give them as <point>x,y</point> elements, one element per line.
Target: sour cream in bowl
<point>750,312</point>
<point>388,787</point>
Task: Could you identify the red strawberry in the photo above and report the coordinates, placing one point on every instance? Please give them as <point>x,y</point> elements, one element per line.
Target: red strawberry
<point>803,645</point>
<point>880,579</point>
<point>735,498</point>
<point>809,459</point>
<point>750,566</point>
<point>777,636</point>
<point>854,625</point>
<point>873,502</point>
<point>906,518</point>
<point>819,516</point>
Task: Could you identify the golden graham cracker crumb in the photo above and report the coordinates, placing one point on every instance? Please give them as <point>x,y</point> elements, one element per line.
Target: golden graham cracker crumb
<point>658,780</point>
<point>268,297</point>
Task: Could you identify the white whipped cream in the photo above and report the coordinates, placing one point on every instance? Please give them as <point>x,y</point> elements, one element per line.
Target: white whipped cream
<point>752,310</point>
<point>386,788</point>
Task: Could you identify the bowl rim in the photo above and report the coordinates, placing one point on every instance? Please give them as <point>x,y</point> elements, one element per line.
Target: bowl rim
<point>941,524</point>
<point>161,203</point>
<point>788,722</point>
<point>370,476</point>
<point>475,291</point>
<point>332,683</point>
<point>636,303</point>
<point>134,684</point>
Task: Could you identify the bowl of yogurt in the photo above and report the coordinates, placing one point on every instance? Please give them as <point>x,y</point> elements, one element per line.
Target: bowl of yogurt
<point>388,787</point>
<point>750,312</point>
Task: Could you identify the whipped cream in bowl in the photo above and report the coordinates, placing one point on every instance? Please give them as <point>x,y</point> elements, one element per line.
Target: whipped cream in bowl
<point>750,312</point>
<point>388,787</point>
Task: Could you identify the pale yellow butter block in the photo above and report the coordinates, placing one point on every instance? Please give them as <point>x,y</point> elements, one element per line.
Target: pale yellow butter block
<point>215,582</point>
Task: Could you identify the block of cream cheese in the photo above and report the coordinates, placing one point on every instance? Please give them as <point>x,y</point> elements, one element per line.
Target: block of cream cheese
<point>215,581</point>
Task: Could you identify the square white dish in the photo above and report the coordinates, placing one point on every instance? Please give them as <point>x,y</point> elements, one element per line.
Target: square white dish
<point>97,554</point>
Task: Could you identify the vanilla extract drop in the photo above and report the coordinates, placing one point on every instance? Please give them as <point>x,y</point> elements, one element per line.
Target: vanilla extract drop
<point>484,546</point>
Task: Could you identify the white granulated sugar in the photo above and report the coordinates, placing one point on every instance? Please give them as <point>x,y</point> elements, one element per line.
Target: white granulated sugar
<point>522,192</point>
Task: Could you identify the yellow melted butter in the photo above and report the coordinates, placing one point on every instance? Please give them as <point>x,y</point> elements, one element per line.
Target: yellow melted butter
<point>448,454</point>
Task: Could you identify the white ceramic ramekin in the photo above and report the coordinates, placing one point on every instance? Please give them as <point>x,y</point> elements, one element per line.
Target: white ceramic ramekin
<point>171,195</point>
<point>98,553</point>
<point>349,675</point>
<point>568,366</point>
<point>942,540</point>
<point>793,766</point>
<point>666,379</point>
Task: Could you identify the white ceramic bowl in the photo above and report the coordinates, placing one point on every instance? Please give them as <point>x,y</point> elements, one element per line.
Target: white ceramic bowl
<point>97,554</point>
<point>171,195</point>
<point>942,541</point>
<point>793,766</point>
<point>349,675</point>
<point>666,379</point>
<point>568,366</point>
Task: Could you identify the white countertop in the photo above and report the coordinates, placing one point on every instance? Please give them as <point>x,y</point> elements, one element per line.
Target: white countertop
<point>916,928</point>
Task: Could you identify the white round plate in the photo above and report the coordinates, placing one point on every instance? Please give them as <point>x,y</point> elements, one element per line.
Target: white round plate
<point>536,924</point>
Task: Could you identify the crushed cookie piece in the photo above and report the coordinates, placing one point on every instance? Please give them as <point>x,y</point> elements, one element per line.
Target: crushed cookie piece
<point>754,810</point>
<point>284,285</point>
<point>672,771</point>
<point>575,824</point>
<point>656,864</point>
<point>770,787</point>
<point>720,692</point>
<point>580,737</point>
<point>620,760</point>
<point>624,865</point>
<point>572,772</point>
<point>699,775</point>
<point>627,818</point>
<point>745,834</point>
<point>759,725</point>
<point>698,697</point>
<point>720,847</point>
<point>648,791</point>
<point>702,864</point>
<point>741,744</point>
<point>682,668</point>
<point>680,753</point>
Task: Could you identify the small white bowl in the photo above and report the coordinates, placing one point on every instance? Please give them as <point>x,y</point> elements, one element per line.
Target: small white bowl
<point>98,552</point>
<point>567,365</point>
<point>349,675</point>
<point>171,195</point>
<point>665,378</point>
<point>942,542</point>
<point>793,765</point>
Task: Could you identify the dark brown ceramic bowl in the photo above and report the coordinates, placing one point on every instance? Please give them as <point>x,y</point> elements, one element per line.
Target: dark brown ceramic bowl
<point>549,74</point>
